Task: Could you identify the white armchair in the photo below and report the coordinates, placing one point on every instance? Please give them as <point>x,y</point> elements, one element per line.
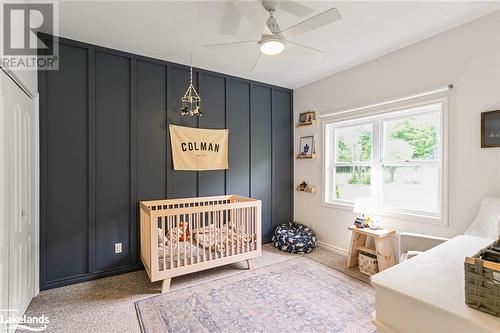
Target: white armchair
<point>411,244</point>
<point>486,225</point>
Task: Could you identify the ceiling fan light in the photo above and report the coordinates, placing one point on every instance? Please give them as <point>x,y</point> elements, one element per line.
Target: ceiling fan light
<point>272,47</point>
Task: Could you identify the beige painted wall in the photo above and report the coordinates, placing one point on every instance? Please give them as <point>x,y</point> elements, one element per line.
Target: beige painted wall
<point>469,58</point>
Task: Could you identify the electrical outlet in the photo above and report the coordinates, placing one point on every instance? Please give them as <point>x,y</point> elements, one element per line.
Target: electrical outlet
<point>118,248</point>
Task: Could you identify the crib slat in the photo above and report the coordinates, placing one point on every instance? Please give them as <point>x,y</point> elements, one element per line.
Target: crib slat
<point>190,228</point>
<point>222,245</point>
<point>242,223</point>
<point>176,226</point>
<point>198,223</point>
<point>164,247</point>
<point>226,236</point>
<point>229,234</point>
<point>240,229</point>
<point>185,240</point>
<point>252,231</point>
<point>248,232</point>
<point>171,242</point>
<point>210,235</point>
<point>217,234</point>
<point>245,232</point>
<point>251,244</point>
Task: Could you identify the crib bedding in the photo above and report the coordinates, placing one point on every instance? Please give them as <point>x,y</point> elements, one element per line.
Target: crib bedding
<point>203,240</point>
<point>218,239</point>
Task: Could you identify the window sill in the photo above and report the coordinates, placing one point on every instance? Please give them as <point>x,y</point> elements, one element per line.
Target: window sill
<point>411,217</point>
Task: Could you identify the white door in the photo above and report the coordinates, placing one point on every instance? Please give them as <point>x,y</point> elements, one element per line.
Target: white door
<point>19,195</point>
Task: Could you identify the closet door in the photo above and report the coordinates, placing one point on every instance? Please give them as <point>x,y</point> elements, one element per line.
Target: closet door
<point>18,118</point>
<point>4,203</point>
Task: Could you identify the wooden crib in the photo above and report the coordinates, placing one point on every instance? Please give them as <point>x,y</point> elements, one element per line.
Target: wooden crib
<point>181,236</point>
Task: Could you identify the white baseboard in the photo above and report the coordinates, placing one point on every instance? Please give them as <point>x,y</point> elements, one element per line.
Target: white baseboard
<point>333,248</point>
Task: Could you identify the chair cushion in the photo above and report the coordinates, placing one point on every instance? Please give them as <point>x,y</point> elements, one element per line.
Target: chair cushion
<point>408,255</point>
<point>294,237</point>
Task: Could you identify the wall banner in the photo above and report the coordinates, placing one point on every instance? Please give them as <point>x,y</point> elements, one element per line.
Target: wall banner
<point>198,149</point>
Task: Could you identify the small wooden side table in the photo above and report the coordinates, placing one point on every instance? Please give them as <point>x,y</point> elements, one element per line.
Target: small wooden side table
<point>376,242</point>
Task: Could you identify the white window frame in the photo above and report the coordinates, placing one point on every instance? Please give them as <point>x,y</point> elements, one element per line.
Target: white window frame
<point>376,116</point>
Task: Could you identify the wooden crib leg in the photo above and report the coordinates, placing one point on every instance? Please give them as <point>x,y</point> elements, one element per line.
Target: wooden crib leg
<point>250,264</point>
<point>165,286</point>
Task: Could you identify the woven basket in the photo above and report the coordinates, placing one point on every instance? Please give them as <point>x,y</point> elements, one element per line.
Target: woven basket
<point>482,282</point>
<point>367,264</point>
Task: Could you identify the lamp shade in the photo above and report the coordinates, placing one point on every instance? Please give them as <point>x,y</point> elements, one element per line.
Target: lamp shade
<point>364,206</point>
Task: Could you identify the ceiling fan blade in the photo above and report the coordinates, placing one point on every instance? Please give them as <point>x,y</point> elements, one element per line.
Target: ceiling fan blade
<point>256,63</point>
<point>254,12</point>
<point>307,47</point>
<point>328,16</point>
<point>230,44</point>
<point>231,20</point>
<point>295,8</point>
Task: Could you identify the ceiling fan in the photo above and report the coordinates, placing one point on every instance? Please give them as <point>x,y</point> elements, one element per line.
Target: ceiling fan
<point>273,38</point>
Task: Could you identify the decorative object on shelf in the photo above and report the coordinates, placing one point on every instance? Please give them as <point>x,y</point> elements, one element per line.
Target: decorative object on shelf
<point>374,224</point>
<point>362,207</point>
<point>293,237</point>
<point>359,222</point>
<point>302,186</point>
<point>490,129</point>
<point>307,118</point>
<point>306,147</point>
<point>191,101</point>
<point>305,187</point>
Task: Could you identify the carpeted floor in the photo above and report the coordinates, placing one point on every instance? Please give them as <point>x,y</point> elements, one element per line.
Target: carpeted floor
<point>337,262</point>
<point>107,305</point>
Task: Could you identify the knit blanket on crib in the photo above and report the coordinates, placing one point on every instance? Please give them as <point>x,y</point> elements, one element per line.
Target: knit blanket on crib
<point>218,239</point>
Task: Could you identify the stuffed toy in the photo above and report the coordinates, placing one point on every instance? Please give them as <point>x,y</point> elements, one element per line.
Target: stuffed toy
<point>183,231</point>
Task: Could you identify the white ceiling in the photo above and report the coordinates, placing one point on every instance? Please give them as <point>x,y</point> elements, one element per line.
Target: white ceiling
<point>170,30</point>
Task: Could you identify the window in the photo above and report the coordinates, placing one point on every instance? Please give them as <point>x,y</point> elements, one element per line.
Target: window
<point>394,157</point>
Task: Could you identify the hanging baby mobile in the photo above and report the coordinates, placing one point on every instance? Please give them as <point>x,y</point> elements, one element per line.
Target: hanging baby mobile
<point>191,100</point>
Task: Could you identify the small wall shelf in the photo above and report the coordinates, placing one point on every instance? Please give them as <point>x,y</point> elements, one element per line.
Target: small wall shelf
<point>306,124</point>
<point>309,189</point>
<point>305,157</point>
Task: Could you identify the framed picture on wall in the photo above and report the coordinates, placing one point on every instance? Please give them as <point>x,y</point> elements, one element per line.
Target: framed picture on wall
<point>306,149</point>
<point>490,129</point>
<point>307,118</point>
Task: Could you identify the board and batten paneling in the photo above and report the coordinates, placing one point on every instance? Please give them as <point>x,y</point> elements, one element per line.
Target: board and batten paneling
<point>180,184</point>
<point>151,123</point>
<point>112,160</point>
<point>282,156</point>
<point>237,121</point>
<point>213,89</point>
<point>261,153</point>
<point>105,146</point>
<point>64,167</point>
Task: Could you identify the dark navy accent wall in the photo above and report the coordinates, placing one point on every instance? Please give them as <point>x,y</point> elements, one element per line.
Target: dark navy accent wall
<point>104,146</point>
